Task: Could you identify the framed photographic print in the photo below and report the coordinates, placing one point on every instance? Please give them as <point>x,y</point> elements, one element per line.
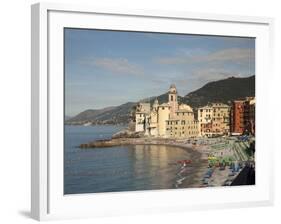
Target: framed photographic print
<point>148,111</point>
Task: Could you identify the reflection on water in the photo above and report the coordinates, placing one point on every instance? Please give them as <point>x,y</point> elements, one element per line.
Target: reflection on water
<point>124,168</point>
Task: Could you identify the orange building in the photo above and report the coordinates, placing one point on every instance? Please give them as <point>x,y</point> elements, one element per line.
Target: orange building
<point>237,117</point>
<point>243,116</point>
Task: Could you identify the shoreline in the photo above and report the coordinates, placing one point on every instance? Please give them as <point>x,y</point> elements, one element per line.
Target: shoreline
<point>196,174</point>
<point>203,150</point>
<point>199,155</point>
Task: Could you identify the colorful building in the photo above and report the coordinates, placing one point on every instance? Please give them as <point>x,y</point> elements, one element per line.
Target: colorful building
<point>214,119</point>
<point>204,116</point>
<point>221,119</point>
<point>243,116</point>
<point>174,120</point>
<point>237,117</point>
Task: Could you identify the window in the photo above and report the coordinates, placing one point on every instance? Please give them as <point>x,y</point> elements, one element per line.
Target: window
<point>172,98</point>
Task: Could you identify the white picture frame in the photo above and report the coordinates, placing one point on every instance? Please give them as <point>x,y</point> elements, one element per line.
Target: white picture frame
<point>48,201</point>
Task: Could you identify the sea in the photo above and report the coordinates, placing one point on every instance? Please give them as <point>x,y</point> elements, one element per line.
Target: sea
<point>117,169</point>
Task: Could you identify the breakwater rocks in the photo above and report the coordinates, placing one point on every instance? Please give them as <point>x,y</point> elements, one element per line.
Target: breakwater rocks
<point>124,137</point>
<point>107,143</point>
<point>132,141</point>
<point>127,134</point>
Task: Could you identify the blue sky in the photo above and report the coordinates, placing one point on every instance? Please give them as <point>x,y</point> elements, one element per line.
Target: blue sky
<point>109,68</point>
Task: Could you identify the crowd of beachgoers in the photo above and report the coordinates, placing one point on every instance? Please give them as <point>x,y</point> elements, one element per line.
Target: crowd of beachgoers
<point>223,158</point>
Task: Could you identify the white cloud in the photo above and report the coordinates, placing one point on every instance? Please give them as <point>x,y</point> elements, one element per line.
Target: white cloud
<point>232,54</point>
<point>172,60</point>
<point>238,55</point>
<point>116,65</point>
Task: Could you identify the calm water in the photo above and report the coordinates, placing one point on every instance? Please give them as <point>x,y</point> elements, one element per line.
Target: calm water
<point>124,168</point>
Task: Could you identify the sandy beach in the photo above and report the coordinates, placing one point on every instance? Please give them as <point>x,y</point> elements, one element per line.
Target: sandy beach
<point>198,173</point>
<point>190,175</point>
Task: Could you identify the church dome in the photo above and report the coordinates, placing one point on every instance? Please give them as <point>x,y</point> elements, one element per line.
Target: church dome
<point>185,107</point>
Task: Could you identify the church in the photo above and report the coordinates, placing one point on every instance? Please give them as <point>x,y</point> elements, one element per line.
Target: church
<point>167,120</point>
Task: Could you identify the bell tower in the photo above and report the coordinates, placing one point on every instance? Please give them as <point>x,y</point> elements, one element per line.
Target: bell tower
<point>155,105</point>
<point>173,100</point>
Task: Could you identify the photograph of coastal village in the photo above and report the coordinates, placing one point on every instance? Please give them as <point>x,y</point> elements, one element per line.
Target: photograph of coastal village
<point>151,111</point>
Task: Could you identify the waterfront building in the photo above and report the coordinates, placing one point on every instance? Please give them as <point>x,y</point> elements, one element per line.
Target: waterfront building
<point>221,119</point>
<point>249,115</point>
<point>204,116</point>
<point>214,119</point>
<point>183,123</point>
<point>142,112</point>
<point>163,115</point>
<point>243,116</point>
<point>168,120</point>
<point>237,118</point>
<point>153,120</point>
<point>252,116</point>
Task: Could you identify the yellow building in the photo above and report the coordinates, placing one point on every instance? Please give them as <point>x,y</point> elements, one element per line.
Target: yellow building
<point>221,119</point>
<point>168,120</point>
<point>205,115</point>
<point>183,123</point>
<point>163,116</point>
<point>214,119</point>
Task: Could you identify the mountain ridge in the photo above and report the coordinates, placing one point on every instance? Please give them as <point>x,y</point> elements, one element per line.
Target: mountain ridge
<point>224,91</point>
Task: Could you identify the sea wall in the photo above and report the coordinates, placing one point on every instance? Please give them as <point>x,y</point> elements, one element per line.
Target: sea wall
<point>135,141</point>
